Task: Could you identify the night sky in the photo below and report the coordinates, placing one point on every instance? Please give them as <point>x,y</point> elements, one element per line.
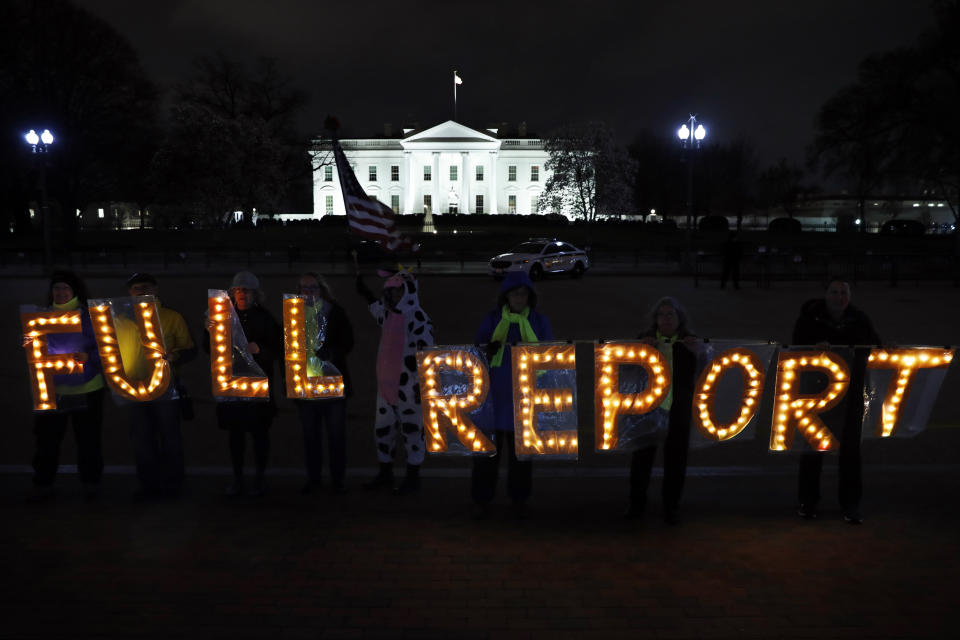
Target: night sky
<point>757,68</point>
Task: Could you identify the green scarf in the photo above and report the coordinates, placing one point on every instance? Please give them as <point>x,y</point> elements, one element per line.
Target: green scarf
<point>312,328</point>
<point>500,332</point>
<point>667,351</point>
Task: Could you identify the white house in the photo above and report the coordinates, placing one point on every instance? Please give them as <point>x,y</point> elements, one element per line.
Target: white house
<point>444,169</point>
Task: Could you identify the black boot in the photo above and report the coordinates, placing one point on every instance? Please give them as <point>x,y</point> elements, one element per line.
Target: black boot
<point>383,479</point>
<point>410,484</point>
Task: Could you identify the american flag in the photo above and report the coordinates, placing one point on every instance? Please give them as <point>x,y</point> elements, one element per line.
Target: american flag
<point>367,217</point>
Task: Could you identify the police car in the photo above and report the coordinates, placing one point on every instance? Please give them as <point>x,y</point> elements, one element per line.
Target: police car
<point>540,256</point>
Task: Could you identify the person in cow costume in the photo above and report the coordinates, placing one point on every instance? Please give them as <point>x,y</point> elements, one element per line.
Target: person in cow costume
<point>405,329</point>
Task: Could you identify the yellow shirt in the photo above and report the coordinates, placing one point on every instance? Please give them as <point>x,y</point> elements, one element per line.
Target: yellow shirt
<point>176,337</point>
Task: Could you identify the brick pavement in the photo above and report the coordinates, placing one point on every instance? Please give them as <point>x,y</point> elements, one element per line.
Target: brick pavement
<point>371,565</point>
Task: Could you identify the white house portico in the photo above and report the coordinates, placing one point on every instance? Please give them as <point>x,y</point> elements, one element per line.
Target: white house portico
<point>447,168</point>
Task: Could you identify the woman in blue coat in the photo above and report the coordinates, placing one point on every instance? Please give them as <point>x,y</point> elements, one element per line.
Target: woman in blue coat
<point>79,396</point>
<point>513,320</point>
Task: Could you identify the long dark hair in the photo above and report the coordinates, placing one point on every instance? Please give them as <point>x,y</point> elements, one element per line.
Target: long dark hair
<point>70,278</point>
<point>325,291</point>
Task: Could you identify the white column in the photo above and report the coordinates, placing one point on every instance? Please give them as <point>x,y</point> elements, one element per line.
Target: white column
<point>435,207</point>
<point>408,189</point>
<point>493,182</point>
<point>465,181</point>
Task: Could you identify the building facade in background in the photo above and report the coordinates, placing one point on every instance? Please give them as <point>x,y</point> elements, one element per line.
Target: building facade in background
<point>448,168</point>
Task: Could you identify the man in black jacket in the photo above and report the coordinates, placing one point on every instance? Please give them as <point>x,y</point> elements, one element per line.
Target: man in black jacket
<point>823,322</point>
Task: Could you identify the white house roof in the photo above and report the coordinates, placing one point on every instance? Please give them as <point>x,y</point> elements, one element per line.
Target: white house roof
<point>450,134</point>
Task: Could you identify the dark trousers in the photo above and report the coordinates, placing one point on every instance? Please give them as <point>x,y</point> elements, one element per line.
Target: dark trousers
<point>519,473</point>
<point>49,429</point>
<point>850,469</point>
<point>157,444</point>
<point>674,466</point>
<point>260,435</point>
<point>731,269</point>
<point>313,415</point>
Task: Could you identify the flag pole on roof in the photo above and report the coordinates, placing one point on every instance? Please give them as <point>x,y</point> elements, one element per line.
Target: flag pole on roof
<point>456,80</point>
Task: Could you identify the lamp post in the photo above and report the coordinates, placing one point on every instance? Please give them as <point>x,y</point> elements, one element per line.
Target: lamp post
<point>691,133</point>
<point>39,144</point>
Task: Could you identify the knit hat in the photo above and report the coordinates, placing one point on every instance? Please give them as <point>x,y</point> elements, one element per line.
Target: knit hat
<point>245,280</point>
<point>139,278</point>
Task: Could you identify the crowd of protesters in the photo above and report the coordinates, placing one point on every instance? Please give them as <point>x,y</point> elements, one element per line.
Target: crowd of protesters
<point>155,425</point>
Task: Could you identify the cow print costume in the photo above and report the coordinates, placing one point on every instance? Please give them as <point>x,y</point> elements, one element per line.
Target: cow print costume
<point>405,330</point>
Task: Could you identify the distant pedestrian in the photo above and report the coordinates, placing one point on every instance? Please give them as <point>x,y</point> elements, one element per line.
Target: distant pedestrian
<point>668,331</point>
<point>155,425</point>
<point>79,396</point>
<point>514,319</point>
<point>826,321</point>
<point>240,417</point>
<point>405,329</point>
<point>732,252</point>
<point>331,412</point>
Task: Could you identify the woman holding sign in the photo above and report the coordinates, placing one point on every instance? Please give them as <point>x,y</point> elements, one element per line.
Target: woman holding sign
<point>513,320</point>
<point>80,397</point>
<point>337,342</point>
<point>670,333</point>
<point>240,417</point>
<point>832,320</point>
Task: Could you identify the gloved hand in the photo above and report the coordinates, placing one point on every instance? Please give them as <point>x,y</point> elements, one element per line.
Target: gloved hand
<point>492,349</point>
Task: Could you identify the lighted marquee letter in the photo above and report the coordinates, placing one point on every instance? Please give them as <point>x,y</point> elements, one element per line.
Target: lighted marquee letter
<point>299,383</point>
<point>608,402</point>
<point>801,412</point>
<point>105,331</point>
<point>752,370</point>
<point>905,362</point>
<point>529,401</point>
<point>37,325</point>
<point>225,384</point>
<point>452,409</point>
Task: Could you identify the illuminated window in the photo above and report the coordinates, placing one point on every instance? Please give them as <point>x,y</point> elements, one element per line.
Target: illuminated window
<point>328,173</point>
<point>427,204</point>
<point>329,205</point>
<point>512,173</point>
<point>372,173</point>
<point>479,173</point>
<point>100,213</point>
<point>511,204</point>
<point>427,173</point>
<point>453,172</point>
<point>479,204</point>
<point>395,173</point>
<point>534,173</point>
<point>395,203</point>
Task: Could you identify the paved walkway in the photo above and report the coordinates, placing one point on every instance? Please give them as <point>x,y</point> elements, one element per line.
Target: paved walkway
<point>364,565</point>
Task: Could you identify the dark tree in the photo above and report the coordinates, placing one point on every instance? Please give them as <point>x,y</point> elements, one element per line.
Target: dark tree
<point>590,174</point>
<point>233,144</point>
<point>781,185</point>
<point>66,70</point>
<point>897,125</point>
<point>659,182</point>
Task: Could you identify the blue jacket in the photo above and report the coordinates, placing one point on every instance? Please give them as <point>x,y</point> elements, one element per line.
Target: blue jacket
<point>83,342</point>
<point>501,378</point>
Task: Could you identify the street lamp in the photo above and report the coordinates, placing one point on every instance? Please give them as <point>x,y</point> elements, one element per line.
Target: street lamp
<point>39,144</point>
<point>691,134</point>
